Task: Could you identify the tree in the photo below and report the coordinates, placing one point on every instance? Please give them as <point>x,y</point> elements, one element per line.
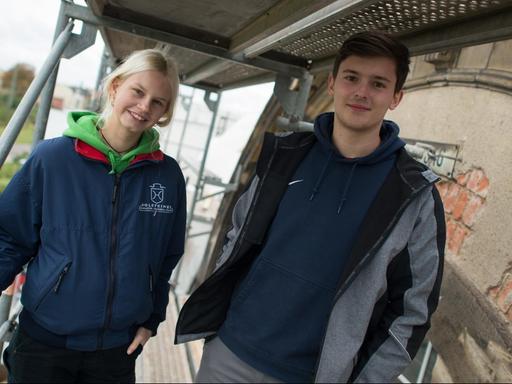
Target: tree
<point>17,80</point>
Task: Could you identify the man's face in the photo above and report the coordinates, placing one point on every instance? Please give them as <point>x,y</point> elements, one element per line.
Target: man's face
<point>363,91</point>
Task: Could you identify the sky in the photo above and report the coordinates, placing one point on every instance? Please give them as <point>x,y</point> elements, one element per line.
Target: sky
<point>26,36</point>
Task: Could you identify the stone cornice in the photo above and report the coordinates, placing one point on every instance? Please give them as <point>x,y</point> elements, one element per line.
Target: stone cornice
<point>499,81</point>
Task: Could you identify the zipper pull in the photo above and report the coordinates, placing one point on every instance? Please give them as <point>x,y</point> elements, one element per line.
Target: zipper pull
<point>116,186</point>
<point>150,281</point>
<point>61,276</point>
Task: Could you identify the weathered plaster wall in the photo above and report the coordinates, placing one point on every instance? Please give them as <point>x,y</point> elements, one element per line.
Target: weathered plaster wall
<point>480,120</point>
<point>464,97</point>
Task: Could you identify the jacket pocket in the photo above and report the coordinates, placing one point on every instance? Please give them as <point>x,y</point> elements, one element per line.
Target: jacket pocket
<point>55,286</point>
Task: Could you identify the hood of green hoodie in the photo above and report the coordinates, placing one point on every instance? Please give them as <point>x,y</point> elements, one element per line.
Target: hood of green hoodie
<point>84,126</point>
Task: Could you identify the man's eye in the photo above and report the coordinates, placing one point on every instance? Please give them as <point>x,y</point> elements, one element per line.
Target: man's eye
<point>350,78</point>
<point>378,84</point>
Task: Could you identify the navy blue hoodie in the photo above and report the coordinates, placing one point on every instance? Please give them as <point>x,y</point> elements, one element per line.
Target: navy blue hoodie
<point>279,312</point>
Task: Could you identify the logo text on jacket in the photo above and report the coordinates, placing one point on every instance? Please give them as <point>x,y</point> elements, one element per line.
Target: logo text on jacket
<point>157,194</point>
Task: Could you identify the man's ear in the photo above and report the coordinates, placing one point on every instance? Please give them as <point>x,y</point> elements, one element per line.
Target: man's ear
<point>396,99</point>
<point>330,85</point>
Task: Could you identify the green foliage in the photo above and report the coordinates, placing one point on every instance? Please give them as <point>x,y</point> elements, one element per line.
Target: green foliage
<point>18,78</point>
<point>7,172</point>
<point>25,136</point>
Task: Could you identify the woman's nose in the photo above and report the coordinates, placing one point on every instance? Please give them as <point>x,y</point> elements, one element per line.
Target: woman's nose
<point>144,104</point>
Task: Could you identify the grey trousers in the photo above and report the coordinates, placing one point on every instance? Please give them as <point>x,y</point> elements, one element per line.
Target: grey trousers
<point>220,365</point>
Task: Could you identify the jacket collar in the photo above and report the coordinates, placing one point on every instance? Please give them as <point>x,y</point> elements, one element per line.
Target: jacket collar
<point>92,153</point>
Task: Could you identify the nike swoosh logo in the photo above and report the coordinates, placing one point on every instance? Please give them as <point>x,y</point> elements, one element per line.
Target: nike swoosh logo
<point>295,181</point>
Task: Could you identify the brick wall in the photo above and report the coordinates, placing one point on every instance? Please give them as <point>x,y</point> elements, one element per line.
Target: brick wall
<point>463,199</point>
<point>501,293</point>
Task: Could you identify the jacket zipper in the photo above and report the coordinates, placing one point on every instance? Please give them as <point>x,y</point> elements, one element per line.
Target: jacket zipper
<point>61,276</point>
<point>150,280</point>
<point>341,289</point>
<point>112,261</point>
<point>56,286</point>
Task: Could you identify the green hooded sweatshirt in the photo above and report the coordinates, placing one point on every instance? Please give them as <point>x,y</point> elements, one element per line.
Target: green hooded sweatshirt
<point>84,126</point>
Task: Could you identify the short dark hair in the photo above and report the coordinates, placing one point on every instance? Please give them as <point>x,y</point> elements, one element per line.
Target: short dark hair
<point>376,44</point>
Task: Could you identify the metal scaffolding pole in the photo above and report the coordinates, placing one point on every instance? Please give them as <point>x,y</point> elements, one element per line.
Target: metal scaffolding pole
<point>424,363</point>
<point>29,99</point>
<point>102,71</point>
<point>187,104</point>
<point>47,94</point>
<point>213,105</point>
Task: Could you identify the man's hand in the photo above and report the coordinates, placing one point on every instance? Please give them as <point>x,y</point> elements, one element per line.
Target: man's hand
<point>141,337</point>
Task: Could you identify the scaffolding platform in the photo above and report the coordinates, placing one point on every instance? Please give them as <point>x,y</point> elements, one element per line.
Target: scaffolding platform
<point>162,361</point>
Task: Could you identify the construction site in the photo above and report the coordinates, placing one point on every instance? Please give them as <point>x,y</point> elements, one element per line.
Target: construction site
<point>455,118</point>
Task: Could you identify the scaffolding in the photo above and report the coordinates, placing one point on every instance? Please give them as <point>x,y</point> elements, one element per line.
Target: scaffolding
<point>286,41</point>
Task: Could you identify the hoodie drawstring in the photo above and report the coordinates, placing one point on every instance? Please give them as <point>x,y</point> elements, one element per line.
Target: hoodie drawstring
<point>112,159</point>
<point>321,177</point>
<point>345,190</point>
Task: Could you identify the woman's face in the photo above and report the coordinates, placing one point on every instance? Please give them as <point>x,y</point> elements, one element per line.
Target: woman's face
<point>140,101</point>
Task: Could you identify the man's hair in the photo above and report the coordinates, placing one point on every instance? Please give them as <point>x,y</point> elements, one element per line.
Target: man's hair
<point>376,44</point>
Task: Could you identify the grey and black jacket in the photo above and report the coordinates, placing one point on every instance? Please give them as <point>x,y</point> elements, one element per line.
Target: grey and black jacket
<point>388,291</point>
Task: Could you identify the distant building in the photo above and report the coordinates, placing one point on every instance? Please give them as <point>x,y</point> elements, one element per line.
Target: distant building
<point>66,97</point>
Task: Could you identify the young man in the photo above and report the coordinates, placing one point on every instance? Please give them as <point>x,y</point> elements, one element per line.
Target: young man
<point>333,266</point>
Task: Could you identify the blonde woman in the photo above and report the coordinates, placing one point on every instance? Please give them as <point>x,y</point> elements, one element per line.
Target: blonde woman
<point>100,215</point>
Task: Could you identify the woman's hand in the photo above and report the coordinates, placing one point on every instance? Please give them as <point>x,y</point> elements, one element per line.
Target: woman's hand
<point>141,337</point>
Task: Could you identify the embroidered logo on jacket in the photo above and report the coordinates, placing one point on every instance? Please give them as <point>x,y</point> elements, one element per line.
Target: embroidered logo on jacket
<point>157,194</point>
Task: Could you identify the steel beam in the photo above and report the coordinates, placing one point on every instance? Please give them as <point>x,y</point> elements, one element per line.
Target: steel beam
<point>206,70</point>
<point>477,30</point>
<point>258,79</point>
<point>335,10</point>
<point>83,13</point>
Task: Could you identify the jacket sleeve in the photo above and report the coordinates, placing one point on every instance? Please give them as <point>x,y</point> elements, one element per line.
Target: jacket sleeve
<point>238,217</point>
<point>176,250</point>
<point>20,221</point>
<point>414,280</point>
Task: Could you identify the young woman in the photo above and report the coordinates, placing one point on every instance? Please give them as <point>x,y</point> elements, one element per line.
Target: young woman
<point>99,214</point>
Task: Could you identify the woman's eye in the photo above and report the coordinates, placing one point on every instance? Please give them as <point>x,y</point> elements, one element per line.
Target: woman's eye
<point>137,91</point>
<point>158,102</point>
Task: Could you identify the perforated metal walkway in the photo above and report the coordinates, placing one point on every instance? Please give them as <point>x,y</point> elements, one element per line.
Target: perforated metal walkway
<point>164,362</point>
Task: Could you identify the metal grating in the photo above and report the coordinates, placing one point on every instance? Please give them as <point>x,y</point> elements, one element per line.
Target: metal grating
<point>233,74</point>
<point>393,16</point>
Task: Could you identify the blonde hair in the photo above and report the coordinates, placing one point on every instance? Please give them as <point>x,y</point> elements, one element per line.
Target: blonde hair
<point>139,61</point>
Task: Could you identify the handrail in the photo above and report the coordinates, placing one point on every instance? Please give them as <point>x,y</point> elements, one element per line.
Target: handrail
<point>26,104</point>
